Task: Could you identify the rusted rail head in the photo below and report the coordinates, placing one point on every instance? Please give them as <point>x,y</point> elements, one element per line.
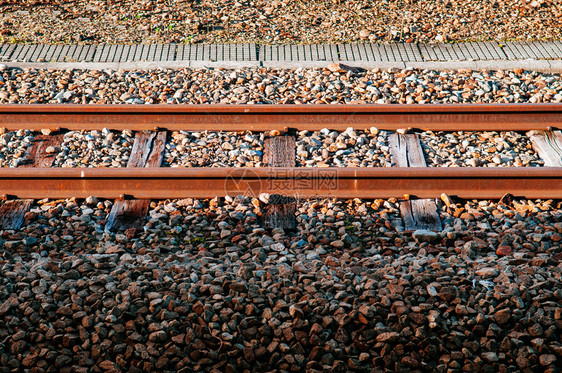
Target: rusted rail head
<point>158,183</point>
<point>457,117</point>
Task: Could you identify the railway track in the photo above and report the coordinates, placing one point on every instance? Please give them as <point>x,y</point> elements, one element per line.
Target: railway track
<point>422,282</point>
<point>144,179</point>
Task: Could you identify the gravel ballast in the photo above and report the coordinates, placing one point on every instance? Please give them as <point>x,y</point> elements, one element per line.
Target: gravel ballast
<point>278,21</point>
<point>203,287</point>
<point>479,149</point>
<point>271,86</point>
<point>214,149</point>
<point>13,145</point>
<point>349,148</point>
<point>95,149</point>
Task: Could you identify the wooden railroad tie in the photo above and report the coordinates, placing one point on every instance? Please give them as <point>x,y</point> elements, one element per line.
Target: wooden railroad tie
<point>12,213</point>
<point>37,155</point>
<point>148,151</point>
<point>280,151</point>
<point>548,144</point>
<point>406,151</point>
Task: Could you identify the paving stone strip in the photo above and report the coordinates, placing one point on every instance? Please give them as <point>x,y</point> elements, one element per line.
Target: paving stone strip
<point>542,55</point>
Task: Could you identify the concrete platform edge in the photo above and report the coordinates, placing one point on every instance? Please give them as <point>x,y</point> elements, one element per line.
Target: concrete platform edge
<point>553,66</point>
<point>534,65</point>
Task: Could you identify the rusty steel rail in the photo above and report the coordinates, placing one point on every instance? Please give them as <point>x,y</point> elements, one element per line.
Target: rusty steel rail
<point>162,183</point>
<point>457,117</point>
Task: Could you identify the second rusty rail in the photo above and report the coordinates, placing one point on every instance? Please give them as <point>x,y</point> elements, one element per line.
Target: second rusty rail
<point>162,183</point>
<point>454,117</point>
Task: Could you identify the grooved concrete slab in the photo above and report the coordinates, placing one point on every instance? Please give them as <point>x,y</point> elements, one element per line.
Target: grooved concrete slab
<point>17,52</point>
<point>89,53</point>
<point>541,56</point>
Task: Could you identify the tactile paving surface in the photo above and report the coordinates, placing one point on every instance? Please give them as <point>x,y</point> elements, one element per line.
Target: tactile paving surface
<point>368,52</point>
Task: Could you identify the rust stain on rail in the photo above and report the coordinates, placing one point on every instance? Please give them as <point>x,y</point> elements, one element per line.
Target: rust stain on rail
<point>453,117</point>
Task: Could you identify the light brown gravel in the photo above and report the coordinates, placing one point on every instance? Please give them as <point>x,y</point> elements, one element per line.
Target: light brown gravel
<point>270,86</point>
<point>95,149</point>
<point>13,146</point>
<point>214,149</point>
<point>475,149</point>
<point>278,21</point>
<point>349,148</point>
